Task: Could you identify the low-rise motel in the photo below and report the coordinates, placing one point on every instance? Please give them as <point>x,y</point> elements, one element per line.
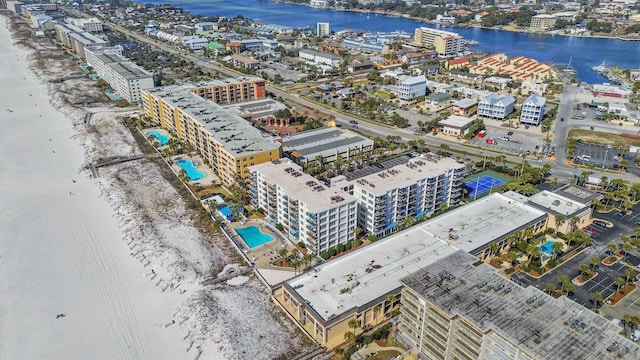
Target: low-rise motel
<point>365,284</point>
<point>227,143</point>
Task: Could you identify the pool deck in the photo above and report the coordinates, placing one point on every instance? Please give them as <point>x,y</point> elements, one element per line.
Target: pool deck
<point>263,255</point>
<point>209,177</point>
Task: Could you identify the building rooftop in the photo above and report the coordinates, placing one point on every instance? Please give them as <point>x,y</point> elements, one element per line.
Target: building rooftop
<point>536,99</point>
<point>465,103</point>
<point>86,39</point>
<point>556,204</point>
<point>422,167</point>
<point>495,98</point>
<point>457,122</point>
<point>438,96</point>
<point>223,82</point>
<point>123,66</point>
<point>376,269</point>
<point>541,325</point>
<point>303,187</point>
<point>237,136</point>
<point>578,193</point>
<point>315,142</point>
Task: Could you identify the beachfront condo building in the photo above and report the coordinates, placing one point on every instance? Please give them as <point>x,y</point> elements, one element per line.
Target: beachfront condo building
<point>308,211</point>
<point>496,106</point>
<point>92,25</point>
<point>533,110</point>
<point>445,43</point>
<point>543,22</point>
<point>364,284</point>
<point>403,193</point>
<point>227,143</point>
<point>77,40</point>
<point>232,90</point>
<point>323,29</point>
<point>454,308</point>
<point>125,77</point>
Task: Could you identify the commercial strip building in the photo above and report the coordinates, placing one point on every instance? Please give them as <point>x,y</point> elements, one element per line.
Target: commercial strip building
<point>124,76</point>
<point>455,125</point>
<point>310,212</point>
<point>496,106</point>
<point>226,142</point>
<point>325,145</point>
<point>445,43</point>
<point>456,309</point>
<point>532,111</point>
<point>365,284</point>
<point>232,90</point>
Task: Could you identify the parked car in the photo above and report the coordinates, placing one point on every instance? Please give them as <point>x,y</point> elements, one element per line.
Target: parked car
<point>510,133</point>
<point>503,138</point>
<point>600,223</point>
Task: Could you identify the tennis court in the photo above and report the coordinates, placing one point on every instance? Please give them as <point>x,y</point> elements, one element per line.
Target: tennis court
<point>482,184</point>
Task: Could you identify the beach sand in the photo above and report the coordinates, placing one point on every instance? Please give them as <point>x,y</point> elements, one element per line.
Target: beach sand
<point>118,255</point>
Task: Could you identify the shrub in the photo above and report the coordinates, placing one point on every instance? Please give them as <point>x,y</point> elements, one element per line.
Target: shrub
<point>341,248</point>
<point>332,252</point>
<point>536,263</point>
<point>509,271</point>
<point>561,236</point>
<point>325,255</point>
<point>301,245</point>
<point>348,245</point>
<point>358,242</point>
<point>549,231</point>
<point>551,263</point>
<point>372,238</point>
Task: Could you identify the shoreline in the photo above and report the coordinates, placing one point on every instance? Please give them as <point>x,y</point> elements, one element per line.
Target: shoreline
<point>120,253</point>
<point>453,26</point>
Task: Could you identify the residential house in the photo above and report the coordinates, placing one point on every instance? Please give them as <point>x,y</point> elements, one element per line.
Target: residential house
<point>496,106</point>
<point>437,101</point>
<point>465,107</point>
<point>532,111</point>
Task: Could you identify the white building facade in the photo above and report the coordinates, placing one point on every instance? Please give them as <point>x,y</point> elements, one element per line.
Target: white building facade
<point>420,187</point>
<point>308,211</point>
<point>411,87</point>
<point>496,106</point>
<point>533,110</point>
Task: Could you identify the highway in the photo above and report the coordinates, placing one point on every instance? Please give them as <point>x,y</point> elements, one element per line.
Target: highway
<point>559,169</point>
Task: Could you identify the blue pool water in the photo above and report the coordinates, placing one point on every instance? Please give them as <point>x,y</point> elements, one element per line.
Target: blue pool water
<point>190,169</point>
<point>546,247</point>
<point>160,136</point>
<point>253,237</point>
<point>226,212</point>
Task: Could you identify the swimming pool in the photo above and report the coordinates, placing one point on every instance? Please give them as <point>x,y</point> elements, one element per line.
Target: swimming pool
<point>546,247</point>
<point>253,237</point>
<point>190,169</point>
<point>160,136</point>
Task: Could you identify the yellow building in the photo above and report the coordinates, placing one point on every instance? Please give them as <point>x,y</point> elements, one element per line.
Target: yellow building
<point>227,143</point>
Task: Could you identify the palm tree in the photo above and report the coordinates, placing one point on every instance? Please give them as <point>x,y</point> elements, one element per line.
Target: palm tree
<point>513,255</point>
<point>612,248</point>
<point>626,247</point>
<point>376,311</point>
<point>354,324</point>
<point>349,336</point>
<point>595,262</point>
<point>563,280</point>
<point>583,269</point>
<point>574,223</point>
<point>493,249</point>
<point>620,282</point>
<point>596,297</point>
<point>560,219</point>
<point>556,247</point>
<point>628,273</point>
<point>569,288</point>
<point>551,288</point>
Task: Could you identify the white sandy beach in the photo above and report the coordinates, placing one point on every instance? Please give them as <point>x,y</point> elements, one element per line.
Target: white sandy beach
<point>84,247</point>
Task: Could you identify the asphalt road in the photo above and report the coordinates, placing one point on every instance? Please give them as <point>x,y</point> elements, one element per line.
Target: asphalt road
<point>559,170</point>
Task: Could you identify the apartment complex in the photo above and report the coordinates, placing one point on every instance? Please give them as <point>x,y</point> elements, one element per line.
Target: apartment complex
<point>543,22</point>
<point>232,90</point>
<point>445,43</point>
<point>365,284</point>
<point>319,57</point>
<point>77,40</point>
<point>124,76</point>
<point>227,143</point>
<point>411,87</point>
<point>533,110</point>
<point>496,106</point>
<point>518,68</point>
<point>325,145</point>
<point>323,28</point>
<point>310,212</point>
<point>92,25</point>
<point>420,187</point>
<point>454,309</point>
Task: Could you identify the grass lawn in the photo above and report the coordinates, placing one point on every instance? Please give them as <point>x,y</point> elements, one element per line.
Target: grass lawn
<point>384,94</point>
<point>385,355</point>
<point>601,138</point>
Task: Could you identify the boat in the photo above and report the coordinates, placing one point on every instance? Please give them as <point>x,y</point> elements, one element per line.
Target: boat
<point>471,42</point>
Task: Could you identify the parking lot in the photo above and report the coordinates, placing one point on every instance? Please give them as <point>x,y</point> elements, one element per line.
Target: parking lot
<point>516,141</point>
<point>604,156</point>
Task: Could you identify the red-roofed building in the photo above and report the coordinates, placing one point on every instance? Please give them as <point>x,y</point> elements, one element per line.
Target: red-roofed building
<point>457,63</point>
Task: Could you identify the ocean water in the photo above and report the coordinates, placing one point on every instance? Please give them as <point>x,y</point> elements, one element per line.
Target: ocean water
<point>584,53</point>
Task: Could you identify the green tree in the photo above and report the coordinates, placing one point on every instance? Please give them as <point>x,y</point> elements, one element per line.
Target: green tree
<point>551,288</point>
<point>596,298</point>
<point>619,283</point>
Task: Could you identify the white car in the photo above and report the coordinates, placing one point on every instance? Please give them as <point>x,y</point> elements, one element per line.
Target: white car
<point>503,138</point>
